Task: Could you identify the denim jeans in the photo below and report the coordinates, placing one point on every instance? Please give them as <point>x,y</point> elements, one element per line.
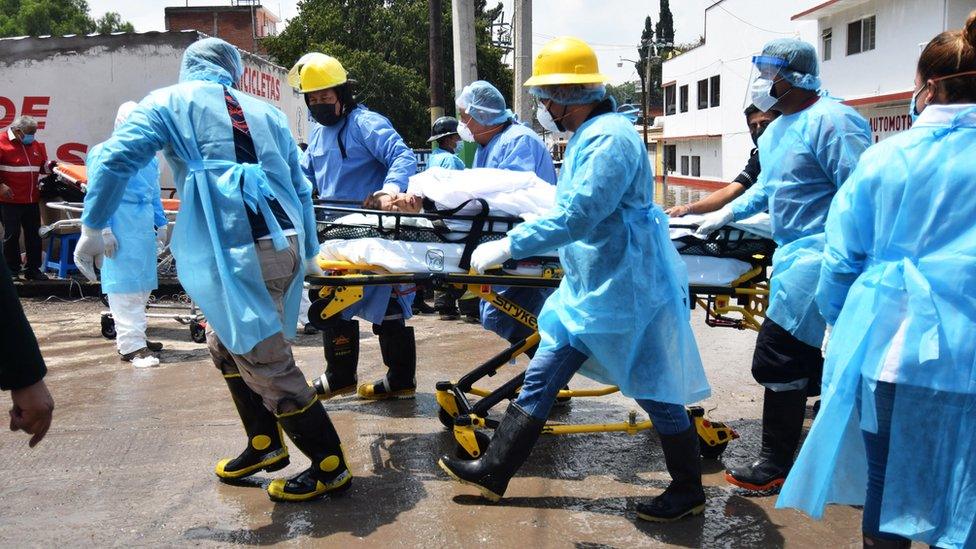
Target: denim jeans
<point>876,449</point>
<point>550,370</point>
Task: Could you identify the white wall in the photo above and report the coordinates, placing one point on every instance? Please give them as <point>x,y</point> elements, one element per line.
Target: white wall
<point>730,43</point>
<point>75,92</point>
<point>901,27</point>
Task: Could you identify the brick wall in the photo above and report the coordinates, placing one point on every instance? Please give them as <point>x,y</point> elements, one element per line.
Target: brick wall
<point>228,23</point>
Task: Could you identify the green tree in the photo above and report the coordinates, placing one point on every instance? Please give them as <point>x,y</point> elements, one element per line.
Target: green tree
<point>624,93</point>
<point>55,18</point>
<point>665,29</point>
<point>383,45</point>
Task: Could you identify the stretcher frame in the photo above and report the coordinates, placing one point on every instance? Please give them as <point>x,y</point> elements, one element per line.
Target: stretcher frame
<point>184,312</point>
<point>332,294</point>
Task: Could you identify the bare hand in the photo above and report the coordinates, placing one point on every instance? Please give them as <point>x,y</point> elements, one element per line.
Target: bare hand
<point>32,411</point>
<point>678,211</point>
<point>5,191</point>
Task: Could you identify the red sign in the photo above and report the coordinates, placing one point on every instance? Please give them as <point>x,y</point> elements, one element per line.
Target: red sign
<point>260,84</point>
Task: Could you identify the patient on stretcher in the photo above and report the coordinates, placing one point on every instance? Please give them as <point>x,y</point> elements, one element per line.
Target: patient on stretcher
<point>507,193</point>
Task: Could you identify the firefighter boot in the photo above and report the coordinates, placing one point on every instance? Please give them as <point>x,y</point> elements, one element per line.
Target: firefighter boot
<point>312,432</point>
<point>265,449</point>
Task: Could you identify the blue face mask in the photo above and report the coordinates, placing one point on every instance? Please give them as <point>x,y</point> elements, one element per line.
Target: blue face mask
<point>27,139</point>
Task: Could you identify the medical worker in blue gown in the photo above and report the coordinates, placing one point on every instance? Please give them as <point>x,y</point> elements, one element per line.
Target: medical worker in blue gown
<point>129,268</point>
<point>353,153</point>
<point>506,144</point>
<point>444,133</point>
<point>243,238</point>
<point>808,153</point>
<point>897,429</point>
<point>620,314</point>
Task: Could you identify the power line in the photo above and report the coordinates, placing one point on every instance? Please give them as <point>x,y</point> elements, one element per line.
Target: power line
<point>723,8</point>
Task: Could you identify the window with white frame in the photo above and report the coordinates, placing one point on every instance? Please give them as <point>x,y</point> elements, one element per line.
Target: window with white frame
<point>684,165</point>
<point>860,35</point>
<point>827,40</point>
<point>696,166</point>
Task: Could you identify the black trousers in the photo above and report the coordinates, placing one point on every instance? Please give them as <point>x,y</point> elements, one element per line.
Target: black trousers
<point>16,217</point>
<point>781,359</point>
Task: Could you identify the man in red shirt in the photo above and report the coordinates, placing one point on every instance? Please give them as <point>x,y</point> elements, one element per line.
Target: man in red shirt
<point>22,160</point>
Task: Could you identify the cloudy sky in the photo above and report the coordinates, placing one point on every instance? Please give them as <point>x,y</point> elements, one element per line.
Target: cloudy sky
<point>613,27</point>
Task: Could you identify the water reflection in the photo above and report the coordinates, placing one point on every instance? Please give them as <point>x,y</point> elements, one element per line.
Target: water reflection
<point>676,195</point>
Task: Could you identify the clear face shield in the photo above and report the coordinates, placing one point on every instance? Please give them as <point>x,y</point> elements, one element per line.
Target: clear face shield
<point>766,71</point>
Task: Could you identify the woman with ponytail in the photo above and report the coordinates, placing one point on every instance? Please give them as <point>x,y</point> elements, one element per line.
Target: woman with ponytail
<point>896,431</point>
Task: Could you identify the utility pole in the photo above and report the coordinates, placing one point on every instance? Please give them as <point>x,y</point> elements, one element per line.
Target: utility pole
<point>436,46</point>
<point>465,58</point>
<point>647,90</point>
<point>523,59</point>
<point>465,41</point>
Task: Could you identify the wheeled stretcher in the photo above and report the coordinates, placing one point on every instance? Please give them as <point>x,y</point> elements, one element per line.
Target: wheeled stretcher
<point>71,178</point>
<point>376,255</point>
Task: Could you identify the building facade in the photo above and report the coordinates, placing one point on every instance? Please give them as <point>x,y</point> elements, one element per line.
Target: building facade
<point>243,23</point>
<point>706,141</point>
<point>869,50</point>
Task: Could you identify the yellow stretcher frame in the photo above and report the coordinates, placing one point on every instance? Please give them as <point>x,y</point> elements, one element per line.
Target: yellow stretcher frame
<point>347,289</point>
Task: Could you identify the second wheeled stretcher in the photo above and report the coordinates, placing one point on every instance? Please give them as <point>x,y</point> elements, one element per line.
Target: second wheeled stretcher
<point>361,248</point>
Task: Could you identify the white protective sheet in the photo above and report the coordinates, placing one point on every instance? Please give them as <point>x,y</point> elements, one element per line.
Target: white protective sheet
<point>397,256</point>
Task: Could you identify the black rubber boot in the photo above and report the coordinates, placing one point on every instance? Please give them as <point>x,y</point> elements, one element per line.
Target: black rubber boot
<point>398,347</point>
<point>341,346</point>
<point>870,542</point>
<point>509,448</point>
<point>684,496</point>
<point>783,414</point>
<point>312,432</point>
<point>265,449</point>
<point>445,303</point>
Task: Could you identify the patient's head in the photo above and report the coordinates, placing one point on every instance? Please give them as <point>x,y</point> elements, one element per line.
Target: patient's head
<point>401,202</point>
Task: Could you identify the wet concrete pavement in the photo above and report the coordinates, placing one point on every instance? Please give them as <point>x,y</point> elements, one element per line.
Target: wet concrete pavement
<point>129,459</point>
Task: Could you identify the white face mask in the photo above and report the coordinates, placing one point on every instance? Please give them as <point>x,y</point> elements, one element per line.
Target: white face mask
<point>762,96</point>
<point>465,132</point>
<point>545,119</point>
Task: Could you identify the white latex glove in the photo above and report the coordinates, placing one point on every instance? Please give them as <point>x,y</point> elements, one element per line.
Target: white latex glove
<point>161,234</point>
<point>826,339</point>
<point>491,254</point>
<point>713,221</point>
<point>111,244</point>
<point>89,247</point>
<point>312,267</point>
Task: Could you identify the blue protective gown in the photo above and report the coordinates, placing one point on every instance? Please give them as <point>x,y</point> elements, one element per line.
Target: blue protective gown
<point>623,300</point>
<point>212,242</point>
<point>133,269</point>
<point>517,148</point>
<point>806,156</point>
<point>899,284</point>
<point>375,155</point>
<point>439,158</point>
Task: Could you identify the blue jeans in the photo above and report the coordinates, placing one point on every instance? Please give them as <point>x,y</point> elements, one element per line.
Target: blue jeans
<point>550,370</point>
<point>876,449</point>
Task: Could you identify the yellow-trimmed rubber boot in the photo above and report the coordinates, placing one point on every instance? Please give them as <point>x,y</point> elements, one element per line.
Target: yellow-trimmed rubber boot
<point>398,347</point>
<point>340,343</point>
<point>312,432</point>
<point>265,449</point>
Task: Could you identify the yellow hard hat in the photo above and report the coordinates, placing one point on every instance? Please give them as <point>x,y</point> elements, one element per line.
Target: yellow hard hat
<point>316,71</point>
<point>565,60</point>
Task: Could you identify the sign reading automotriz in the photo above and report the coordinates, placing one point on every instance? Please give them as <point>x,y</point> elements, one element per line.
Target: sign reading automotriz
<point>73,85</point>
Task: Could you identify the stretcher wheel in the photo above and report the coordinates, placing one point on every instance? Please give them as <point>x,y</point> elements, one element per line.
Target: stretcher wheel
<point>447,420</point>
<point>315,313</point>
<point>313,295</point>
<point>198,332</point>
<point>712,452</point>
<point>483,441</point>
<point>108,327</point>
